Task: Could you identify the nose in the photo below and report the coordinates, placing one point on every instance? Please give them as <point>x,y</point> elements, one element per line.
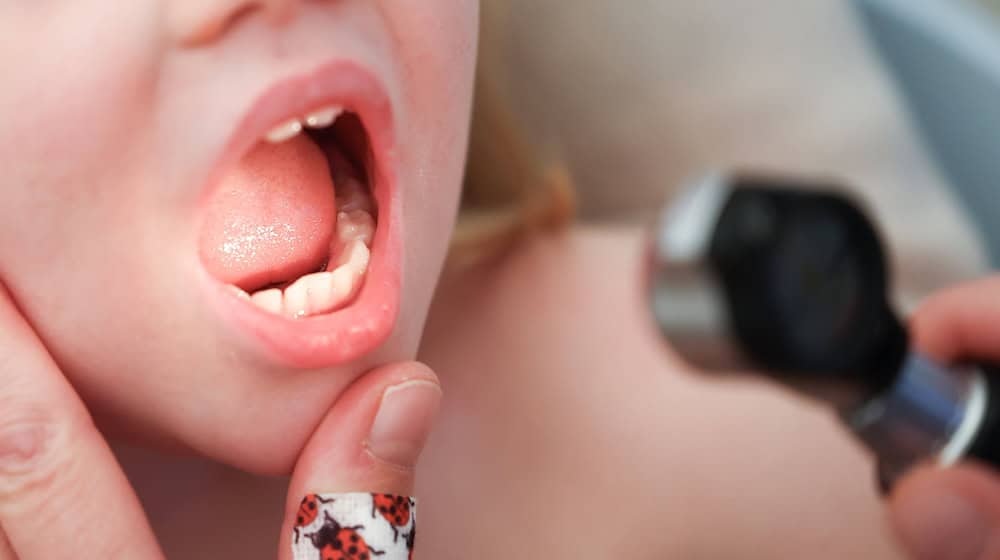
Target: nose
<point>198,22</point>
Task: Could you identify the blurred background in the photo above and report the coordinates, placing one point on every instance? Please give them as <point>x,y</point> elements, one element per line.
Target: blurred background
<point>640,96</point>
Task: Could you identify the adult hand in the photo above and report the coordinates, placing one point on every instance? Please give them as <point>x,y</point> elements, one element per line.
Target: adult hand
<point>953,514</point>
<point>63,495</point>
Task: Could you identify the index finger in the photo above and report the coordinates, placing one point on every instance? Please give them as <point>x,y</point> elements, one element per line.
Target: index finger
<point>62,494</point>
<point>960,322</point>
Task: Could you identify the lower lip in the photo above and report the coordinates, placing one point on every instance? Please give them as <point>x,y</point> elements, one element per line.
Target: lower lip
<point>361,327</point>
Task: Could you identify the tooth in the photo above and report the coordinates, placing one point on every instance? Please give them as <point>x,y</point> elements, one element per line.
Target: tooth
<point>322,292</point>
<point>320,295</point>
<point>354,255</point>
<point>352,195</point>
<point>324,117</point>
<point>268,300</point>
<point>356,224</point>
<point>238,292</point>
<point>330,290</point>
<point>345,282</point>
<point>317,293</point>
<point>344,285</point>
<point>297,299</point>
<point>360,257</point>
<point>284,131</point>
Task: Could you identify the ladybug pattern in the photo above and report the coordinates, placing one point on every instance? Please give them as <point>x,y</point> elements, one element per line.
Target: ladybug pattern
<point>308,510</point>
<point>354,527</point>
<point>395,510</point>
<point>336,542</point>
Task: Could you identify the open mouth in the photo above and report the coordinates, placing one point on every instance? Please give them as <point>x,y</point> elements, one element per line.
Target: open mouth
<point>290,226</point>
<point>299,233</point>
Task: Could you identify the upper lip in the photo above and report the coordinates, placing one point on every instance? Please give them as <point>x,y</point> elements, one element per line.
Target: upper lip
<point>355,331</point>
<point>341,82</point>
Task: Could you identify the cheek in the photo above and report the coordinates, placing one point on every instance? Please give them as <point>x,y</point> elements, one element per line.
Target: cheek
<point>76,97</point>
<point>78,79</point>
<point>438,51</point>
<point>75,87</point>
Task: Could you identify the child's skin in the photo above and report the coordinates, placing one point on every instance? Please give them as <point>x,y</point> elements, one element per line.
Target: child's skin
<point>118,116</point>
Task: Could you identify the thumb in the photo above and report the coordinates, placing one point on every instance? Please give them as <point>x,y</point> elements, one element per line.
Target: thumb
<point>349,497</point>
<point>948,514</point>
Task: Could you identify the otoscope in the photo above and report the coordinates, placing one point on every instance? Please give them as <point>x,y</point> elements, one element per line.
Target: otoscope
<point>790,280</point>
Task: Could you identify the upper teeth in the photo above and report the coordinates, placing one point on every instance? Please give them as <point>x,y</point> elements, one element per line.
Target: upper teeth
<point>284,131</point>
<point>318,119</point>
<point>324,117</point>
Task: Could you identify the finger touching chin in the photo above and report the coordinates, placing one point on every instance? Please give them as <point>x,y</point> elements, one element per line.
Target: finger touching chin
<point>351,489</point>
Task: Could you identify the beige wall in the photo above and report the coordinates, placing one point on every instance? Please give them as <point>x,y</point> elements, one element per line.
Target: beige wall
<point>642,94</point>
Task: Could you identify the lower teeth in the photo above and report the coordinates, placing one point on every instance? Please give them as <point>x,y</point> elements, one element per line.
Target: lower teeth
<point>332,289</point>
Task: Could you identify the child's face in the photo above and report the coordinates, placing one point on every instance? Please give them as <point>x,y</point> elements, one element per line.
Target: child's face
<point>128,207</point>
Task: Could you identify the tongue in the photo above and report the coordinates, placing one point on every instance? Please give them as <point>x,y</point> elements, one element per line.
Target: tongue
<point>272,218</point>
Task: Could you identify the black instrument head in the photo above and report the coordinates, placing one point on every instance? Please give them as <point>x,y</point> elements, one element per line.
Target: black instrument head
<point>798,279</point>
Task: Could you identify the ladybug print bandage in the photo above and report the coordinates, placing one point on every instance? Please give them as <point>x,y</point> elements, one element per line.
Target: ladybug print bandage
<point>356,526</point>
